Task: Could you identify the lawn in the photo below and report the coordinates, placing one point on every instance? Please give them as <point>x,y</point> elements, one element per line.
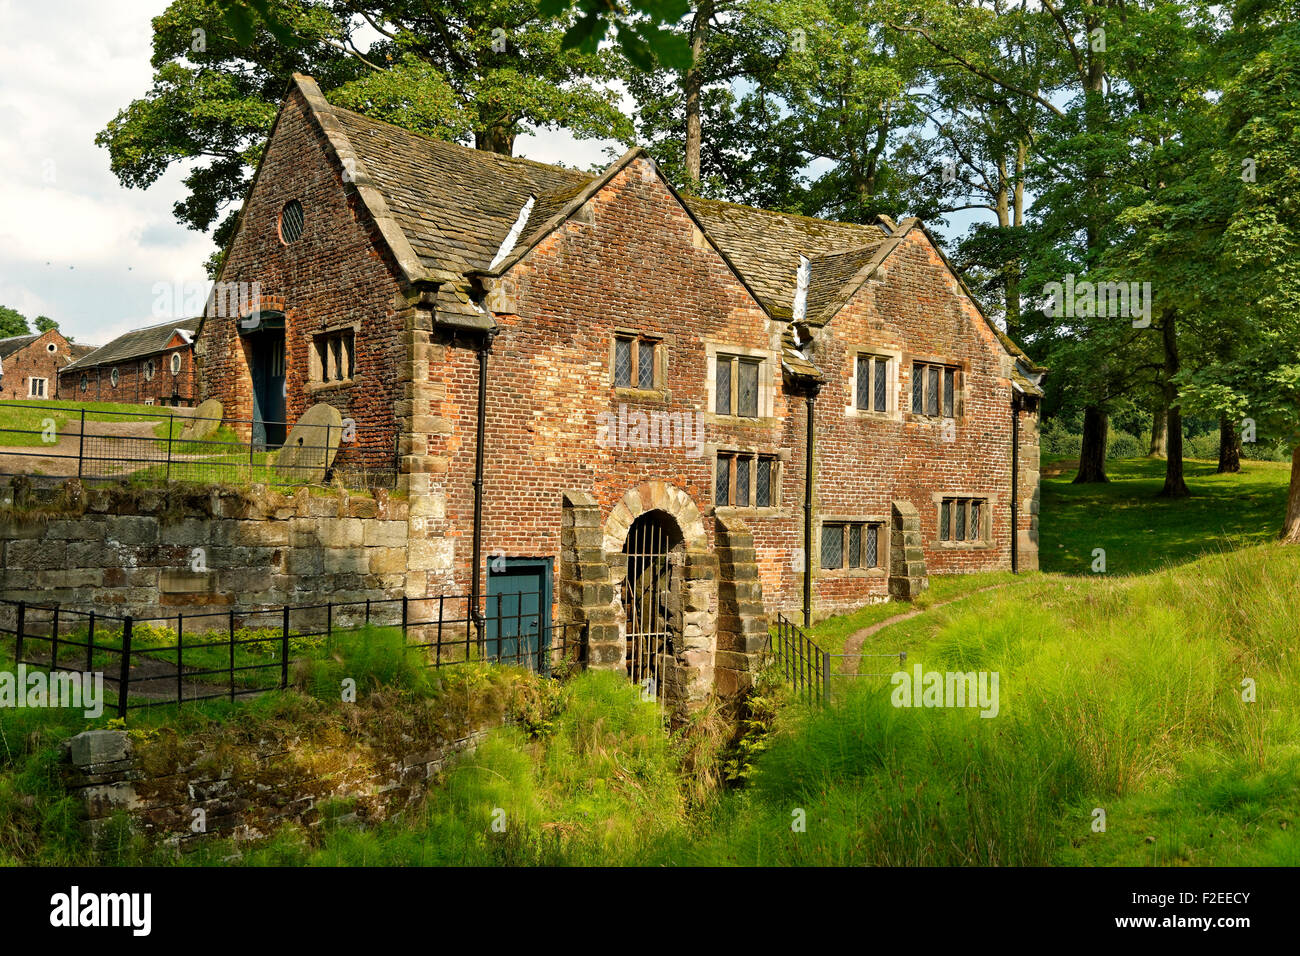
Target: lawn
<point>1140,532</point>
<point>23,423</point>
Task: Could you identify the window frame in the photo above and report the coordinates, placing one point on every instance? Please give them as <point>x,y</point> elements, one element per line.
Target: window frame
<point>844,526</point>
<point>765,361</point>
<point>748,458</point>
<point>957,410</point>
<point>319,363</point>
<point>659,363</point>
<point>951,502</point>
<point>31,386</point>
<point>893,359</point>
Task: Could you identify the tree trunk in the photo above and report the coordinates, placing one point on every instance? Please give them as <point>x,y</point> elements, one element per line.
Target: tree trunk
<point>1291,526</point>
<point>1229,447</point>
<point>1175,486</point>
<point>1159,447</point>
<point>694,84</point>
<point>497,138</point>
<point>1092,455</point>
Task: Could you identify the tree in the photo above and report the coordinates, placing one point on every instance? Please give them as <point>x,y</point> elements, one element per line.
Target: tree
<point>481,71</point>
<point>44,323</point>
<point>12,322</point>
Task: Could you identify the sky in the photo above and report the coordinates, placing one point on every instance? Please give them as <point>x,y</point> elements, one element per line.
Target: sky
<point>75,244</point>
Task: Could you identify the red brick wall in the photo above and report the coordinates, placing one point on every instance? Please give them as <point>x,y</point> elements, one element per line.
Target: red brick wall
<point>134,387</point>
<point>639,265</point>
<point>36,360</point>
<point>335,274</point>
<point>915,309</point>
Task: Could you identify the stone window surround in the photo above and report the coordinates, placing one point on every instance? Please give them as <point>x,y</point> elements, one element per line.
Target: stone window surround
<point>960,393</point>
<point>31,387</point>
<point>893,409</point>
<point>768,367</point>
<point>175,363</point>
<point>315,382</point>
<point>881,569</point>
<point>986,519</point>
<point>663,344</point>
<point>782,459</point>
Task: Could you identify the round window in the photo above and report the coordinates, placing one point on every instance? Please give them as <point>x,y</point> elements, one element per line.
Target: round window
<point>176,363</point>
<point>291,220</point>
<point>113,377</point>
<point>85,382</point>
<point>51,347</point>
<point>148,371</point>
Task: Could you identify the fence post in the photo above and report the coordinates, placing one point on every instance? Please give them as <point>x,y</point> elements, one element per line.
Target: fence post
<point>232,655</point>
<point>171,427</point>
<point>81,443</point>
<point>329,623</point>
<point>54,638</point>
<point>124,675</point>
<point>284,648</point>
<point>826,678</point>
<point>405,612</point>
<point>90,644</point>
<point>18,634</point>
<point>180,659</point>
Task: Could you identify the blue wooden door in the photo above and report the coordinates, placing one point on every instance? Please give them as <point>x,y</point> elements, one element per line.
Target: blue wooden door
<point>519,611</point>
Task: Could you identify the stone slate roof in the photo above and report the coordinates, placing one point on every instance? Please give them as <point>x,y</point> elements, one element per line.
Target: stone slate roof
<point>765,248</point>
<point>445,210</point>
<point>16,343</point>
<point>455,204</point>
<point>135,344</point>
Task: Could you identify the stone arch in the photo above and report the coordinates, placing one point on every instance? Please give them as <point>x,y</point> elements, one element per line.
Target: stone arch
<point>656,496</point>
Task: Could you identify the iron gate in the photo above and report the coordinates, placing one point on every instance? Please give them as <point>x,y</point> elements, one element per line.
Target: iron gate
<point>646,590</point>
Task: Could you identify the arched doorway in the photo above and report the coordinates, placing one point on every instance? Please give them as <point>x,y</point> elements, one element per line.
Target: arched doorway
<point>651,598</point>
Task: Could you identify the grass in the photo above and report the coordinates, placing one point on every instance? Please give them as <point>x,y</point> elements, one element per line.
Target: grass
<point>1124,693</point>
<point>1140,532</point>
<point>17,420</point>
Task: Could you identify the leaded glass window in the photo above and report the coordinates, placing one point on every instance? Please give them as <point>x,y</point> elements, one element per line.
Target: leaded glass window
<point>855,545</point>
<point>747,403</point>
<point>722,486</point>
<point>873,546</point>
<point>723,403</point>
<point>742,481</point>
<point>645,364</point>
<point>623,363</point>
<point>763,483</point>
<point>881,383</point>
<point>832,546</point>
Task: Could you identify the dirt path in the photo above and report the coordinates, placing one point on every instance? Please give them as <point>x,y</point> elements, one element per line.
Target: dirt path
<point>855,640</point>
<point>156,680</point>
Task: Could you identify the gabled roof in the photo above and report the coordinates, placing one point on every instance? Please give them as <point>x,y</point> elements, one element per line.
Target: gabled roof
<point>16,343</point>
<point>446,211</point>
<point>765,246</point>
<point>137,344</point>
<point>455,204</point>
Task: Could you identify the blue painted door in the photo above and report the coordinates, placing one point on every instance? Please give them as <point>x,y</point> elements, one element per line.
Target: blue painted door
<point>519,611</point>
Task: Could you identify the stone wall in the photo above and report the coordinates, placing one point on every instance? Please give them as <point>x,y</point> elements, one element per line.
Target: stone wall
<point>156,551</point>
<point>179,789</point>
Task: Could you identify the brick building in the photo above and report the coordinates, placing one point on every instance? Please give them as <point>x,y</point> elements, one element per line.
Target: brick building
<point>30,364</point>
<point>149,366</point>
<point>638,377</point>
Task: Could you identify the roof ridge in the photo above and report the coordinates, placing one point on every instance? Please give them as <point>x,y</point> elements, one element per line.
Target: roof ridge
<point>788,215</point>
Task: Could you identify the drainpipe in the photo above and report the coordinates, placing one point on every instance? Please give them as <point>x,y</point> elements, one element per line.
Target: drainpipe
<point>1015,482</point>
<point>480,621</point>
<point>809,401</point>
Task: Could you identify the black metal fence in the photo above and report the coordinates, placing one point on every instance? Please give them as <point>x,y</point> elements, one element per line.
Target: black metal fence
<point>40,439</point>
<point>807,668</point>
<point>804,665</point>
<point>189,657</point>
